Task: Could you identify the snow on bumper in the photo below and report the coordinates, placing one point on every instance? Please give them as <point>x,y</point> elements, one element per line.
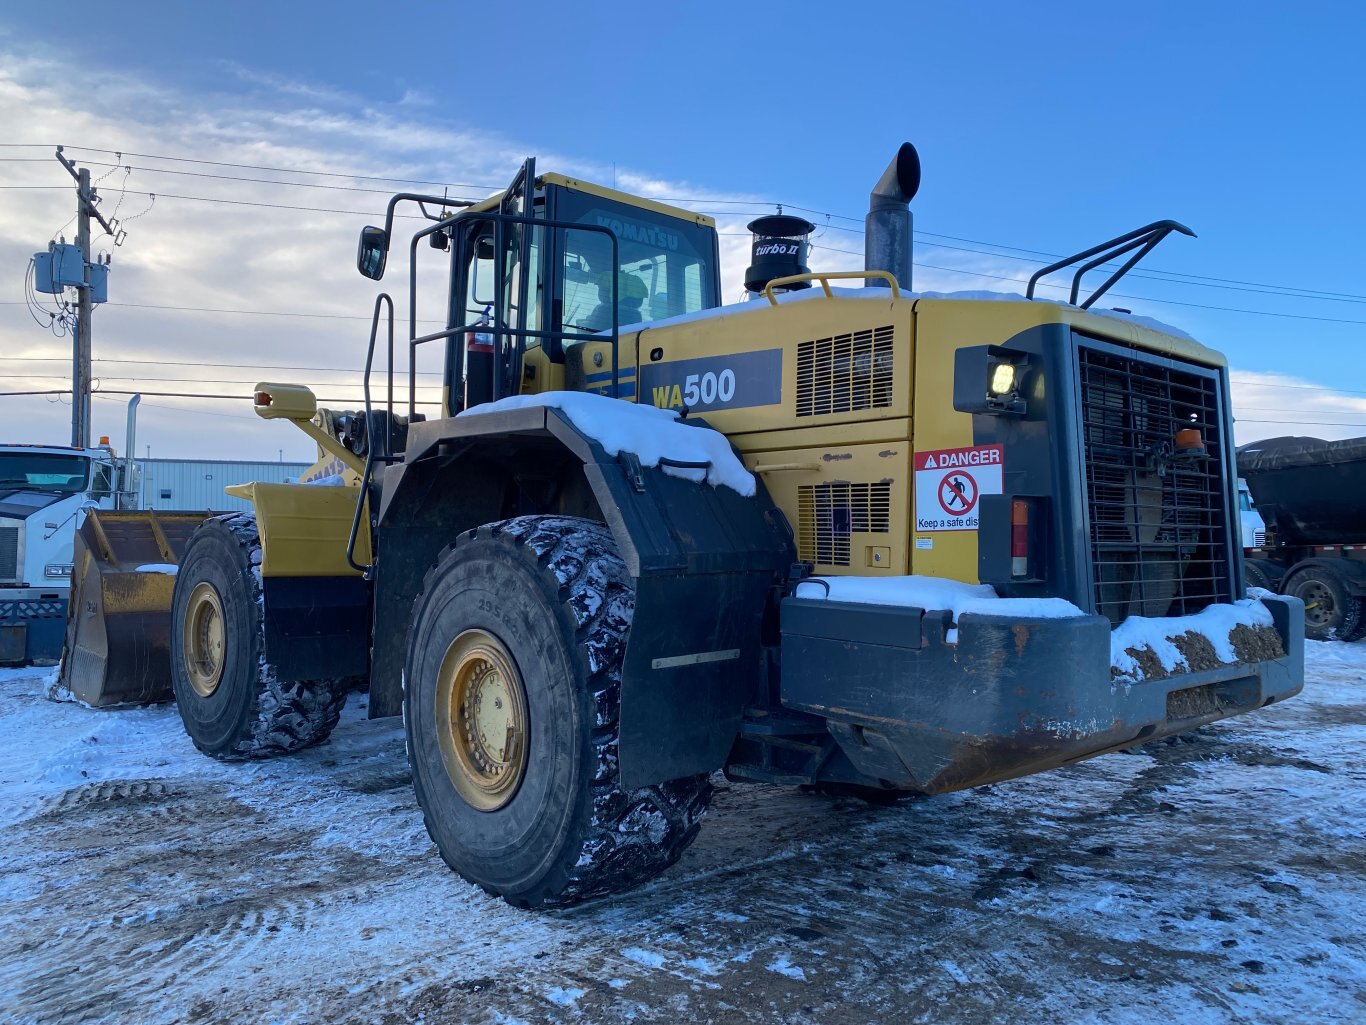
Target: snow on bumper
<point>1013,695</point>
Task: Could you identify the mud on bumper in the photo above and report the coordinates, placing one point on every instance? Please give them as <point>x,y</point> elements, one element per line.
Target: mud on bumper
<point>1011,697</point>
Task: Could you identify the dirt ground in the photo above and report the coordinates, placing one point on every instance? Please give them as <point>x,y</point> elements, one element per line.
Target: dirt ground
<point>1216,877</point>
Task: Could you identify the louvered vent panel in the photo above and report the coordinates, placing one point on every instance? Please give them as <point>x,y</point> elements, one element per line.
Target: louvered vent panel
<point>828,513</point>
<point>9,554</point>
<point>845,373</point>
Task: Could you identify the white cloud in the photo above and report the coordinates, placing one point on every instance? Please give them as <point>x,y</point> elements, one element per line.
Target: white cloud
<point>189,253</point>
<point>1270,405</point>
<point>186,252</point>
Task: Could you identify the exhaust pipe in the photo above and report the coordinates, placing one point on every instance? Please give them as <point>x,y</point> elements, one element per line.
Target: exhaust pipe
<point>127,498</point>
<point>887,238</point>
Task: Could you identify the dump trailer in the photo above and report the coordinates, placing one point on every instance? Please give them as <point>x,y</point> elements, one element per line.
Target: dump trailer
<point>843,537</point>
<point>1312,495</point>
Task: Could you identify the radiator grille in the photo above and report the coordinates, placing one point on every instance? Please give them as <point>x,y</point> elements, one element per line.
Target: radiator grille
<point>1159,529</point>
<point>9,555</point>
<point>845,373</point>
<point>828,513</point>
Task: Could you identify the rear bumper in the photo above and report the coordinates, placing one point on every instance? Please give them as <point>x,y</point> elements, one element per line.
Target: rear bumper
<point>1011,697</point>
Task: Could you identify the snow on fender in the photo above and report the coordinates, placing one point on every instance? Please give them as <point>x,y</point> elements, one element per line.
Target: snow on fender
<point>648,433</point>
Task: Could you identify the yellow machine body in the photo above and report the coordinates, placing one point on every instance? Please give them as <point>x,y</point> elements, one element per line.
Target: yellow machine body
<point>866,382</point>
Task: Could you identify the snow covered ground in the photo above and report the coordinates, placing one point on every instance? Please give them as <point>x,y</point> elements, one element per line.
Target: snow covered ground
<point>1216,877</point>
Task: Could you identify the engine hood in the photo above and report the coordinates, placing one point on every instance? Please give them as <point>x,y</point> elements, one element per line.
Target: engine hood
<point>21,503</point>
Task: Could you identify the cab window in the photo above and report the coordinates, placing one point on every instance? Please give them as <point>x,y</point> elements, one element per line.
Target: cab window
<point>662,269</point>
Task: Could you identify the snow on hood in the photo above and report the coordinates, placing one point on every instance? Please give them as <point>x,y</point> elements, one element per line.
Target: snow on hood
<point>885,295</point>
<point>648,433</point>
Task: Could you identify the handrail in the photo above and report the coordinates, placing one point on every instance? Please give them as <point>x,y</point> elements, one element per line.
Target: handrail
<point>515,333</point>
<point>1145,239</point>
<point>382,299</point>
<point>825,277</point>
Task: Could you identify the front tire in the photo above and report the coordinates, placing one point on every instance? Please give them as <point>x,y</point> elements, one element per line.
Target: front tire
<point>231,702</point>
<point>510,704</point>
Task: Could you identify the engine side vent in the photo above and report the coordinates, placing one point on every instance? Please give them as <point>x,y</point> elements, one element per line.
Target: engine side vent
<point>827,514</point>
<point>9,554</point>
<point>845,372</point>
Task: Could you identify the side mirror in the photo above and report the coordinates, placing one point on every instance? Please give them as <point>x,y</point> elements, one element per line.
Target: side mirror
<point>372,252</point>
<point>481,271</point>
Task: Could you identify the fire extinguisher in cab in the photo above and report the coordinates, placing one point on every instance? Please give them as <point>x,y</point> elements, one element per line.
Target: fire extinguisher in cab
<point>479,360</point>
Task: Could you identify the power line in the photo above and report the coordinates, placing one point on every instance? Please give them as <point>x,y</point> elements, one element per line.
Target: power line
<point>1148,273</point>
<point>1148,298</point>
<point>1342,297</point>
<point>1306,387</point>
<point>182,395</point>
<point>204,381</point>
<point>234,366</point>
<point>1302,423</point>
<point>281,170</point>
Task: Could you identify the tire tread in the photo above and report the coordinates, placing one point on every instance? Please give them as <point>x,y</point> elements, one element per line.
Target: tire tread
<point>629,836</point>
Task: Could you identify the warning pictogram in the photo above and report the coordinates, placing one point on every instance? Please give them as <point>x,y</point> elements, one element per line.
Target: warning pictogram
<point>949,484</point>
<point>957,493</point>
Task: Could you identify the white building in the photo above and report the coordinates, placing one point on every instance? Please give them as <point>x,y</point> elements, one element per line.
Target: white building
<point>193,484</point>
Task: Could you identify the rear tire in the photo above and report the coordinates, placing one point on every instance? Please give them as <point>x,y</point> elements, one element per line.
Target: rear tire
<point>1256,575</point>
<point>524,800</point>
<point>229,698</point>
<point>1330,610</point>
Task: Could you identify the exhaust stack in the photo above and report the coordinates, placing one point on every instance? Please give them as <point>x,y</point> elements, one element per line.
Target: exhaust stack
<point>127,489</point>
<point>887,242</point>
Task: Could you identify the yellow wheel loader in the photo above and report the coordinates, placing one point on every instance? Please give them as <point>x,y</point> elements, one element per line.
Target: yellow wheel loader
<point>844,537</point>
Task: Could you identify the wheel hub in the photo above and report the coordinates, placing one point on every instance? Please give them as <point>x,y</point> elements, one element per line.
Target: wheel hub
<point>204,639</point>
<point>481,720</point>
<point>1319,608</point>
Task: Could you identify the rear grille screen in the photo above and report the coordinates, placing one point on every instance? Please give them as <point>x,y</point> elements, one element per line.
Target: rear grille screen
<point>828,513</point>
<point>845,373</point>
<point>1159,530</point>
<point>9,554</point>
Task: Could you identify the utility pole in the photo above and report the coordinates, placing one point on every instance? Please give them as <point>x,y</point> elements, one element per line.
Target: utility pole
<point>80,368</point>
<point>80,382</point>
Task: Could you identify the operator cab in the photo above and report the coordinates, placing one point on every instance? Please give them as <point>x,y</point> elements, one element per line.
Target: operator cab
<point>546,265</point>
<point>616,261</point>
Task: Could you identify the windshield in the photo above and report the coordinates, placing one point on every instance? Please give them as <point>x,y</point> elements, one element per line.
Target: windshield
<point>664,265</point>
<point>43,471</point>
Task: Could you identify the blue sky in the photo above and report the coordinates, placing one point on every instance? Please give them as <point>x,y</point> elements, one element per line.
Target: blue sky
<point>1043,127</point>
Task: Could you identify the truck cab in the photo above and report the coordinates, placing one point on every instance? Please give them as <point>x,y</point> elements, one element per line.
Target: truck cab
<point>45,491</point>
<point>1251,524</point>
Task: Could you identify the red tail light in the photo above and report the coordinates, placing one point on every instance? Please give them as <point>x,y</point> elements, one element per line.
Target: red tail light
<point>1019,537</point>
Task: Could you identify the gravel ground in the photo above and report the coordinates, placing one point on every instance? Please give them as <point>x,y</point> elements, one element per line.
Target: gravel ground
<point>1215,877</point>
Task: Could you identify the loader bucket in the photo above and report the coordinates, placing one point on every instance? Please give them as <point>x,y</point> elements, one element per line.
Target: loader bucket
<point>118,631</point>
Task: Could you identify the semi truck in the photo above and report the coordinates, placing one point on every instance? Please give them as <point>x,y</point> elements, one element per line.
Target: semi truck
<point>1312,495</point>
<point>45,493</point>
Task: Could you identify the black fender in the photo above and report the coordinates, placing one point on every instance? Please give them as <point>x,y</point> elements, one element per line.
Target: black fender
<point>706,561</point>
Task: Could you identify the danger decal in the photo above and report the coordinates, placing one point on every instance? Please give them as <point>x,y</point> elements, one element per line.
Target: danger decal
<point>949,485</point>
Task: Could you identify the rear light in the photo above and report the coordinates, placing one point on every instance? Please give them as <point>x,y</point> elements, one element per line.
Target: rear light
<point>1019,537</point>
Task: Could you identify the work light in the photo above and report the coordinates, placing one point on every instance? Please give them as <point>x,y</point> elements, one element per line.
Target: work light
<point>1002,378</point>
